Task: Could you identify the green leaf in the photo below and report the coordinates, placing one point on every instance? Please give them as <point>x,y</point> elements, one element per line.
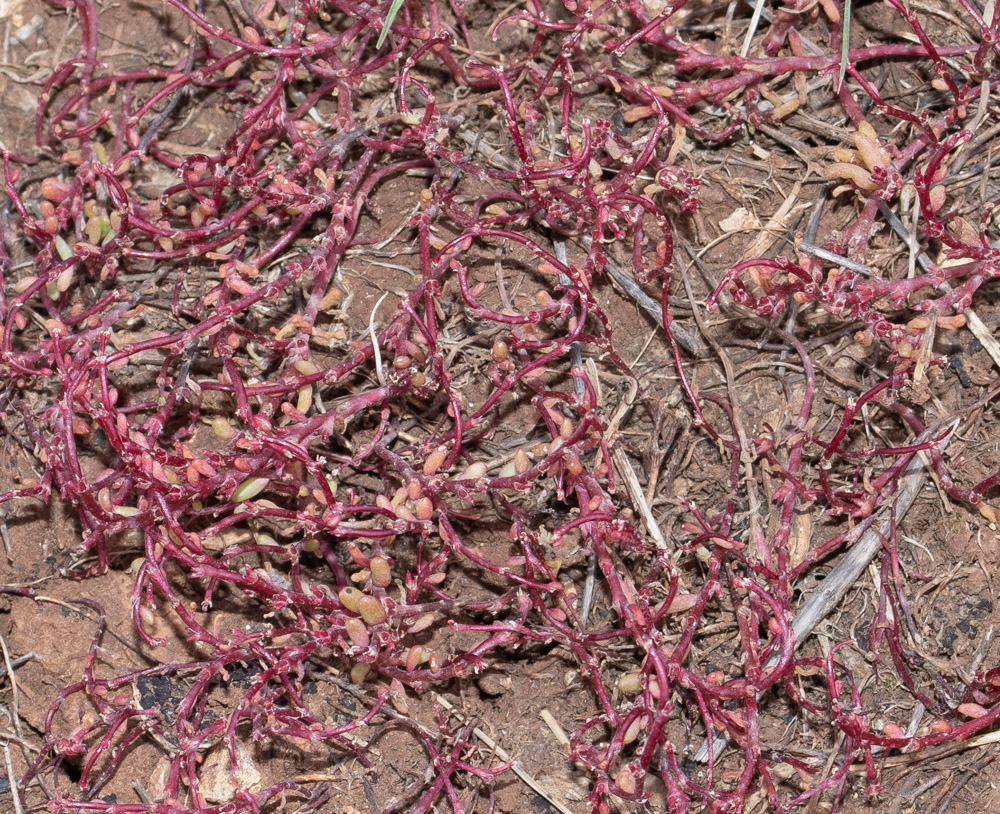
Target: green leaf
<point>249,489</point>
<point>62,248</point>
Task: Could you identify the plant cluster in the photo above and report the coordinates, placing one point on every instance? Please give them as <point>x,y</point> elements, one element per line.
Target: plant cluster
<point>334,478</point>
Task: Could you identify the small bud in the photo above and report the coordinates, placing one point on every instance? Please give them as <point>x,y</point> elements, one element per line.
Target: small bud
<point>476,470</point>
<point>223,428</point>
<point>423,622</point>
<point>414,490</point>
<point>24,284</point>
<point>63,249</point>
<point>104,500</point>
<point>380,571</point>
<point>864,338</point>
<point>682,602</point>
<point>633,731</point>
<point>350,598</point>
<point>304,400</point>
<point>626,780</point>
<point>397,697</point>
<point>937,197</point>
<point>357,555</point>
<point>414,657</point>
<point>403,513</point>
<point>951,323</point>
<point>249,489</point>
<point>971,710</point>
<point>64,280</point>
<point>858,175</point>
<point>55,190</point>
<point>306,367</point>
<point>434,460</point>
<point>357,632</point>
<point>630,682</point>
<point>371,609</point>
<point>870,147</point>
<point>573,465</point>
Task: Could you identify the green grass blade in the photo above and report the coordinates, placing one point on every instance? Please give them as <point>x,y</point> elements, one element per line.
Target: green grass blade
<point>845,43</point>
<point>394,10</point>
